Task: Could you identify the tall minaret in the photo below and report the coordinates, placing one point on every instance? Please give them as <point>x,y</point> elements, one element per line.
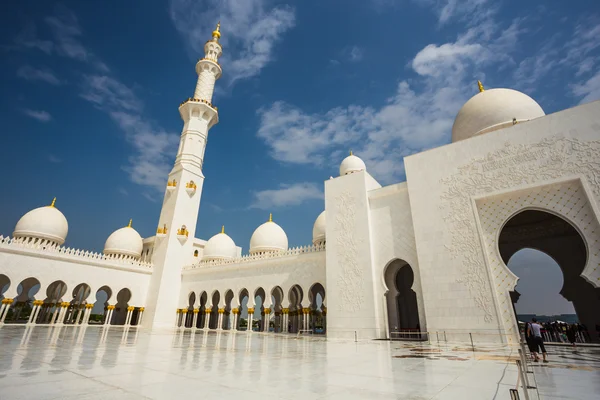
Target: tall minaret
<point>177,224</point>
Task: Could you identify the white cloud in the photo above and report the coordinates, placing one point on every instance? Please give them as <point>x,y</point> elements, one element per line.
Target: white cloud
<point>66,30</point>
<point>67,33</point>
<point>53,159</point>
<point>448,10</point>
<point>286,195</point>
<point>576,54</point>
<point>154,149</point>
<point>42,116</point>
<point>356,54</point>
<point>588,90</point>
<point>28,39</point>
<point>107,92</point>
<point>436,60</point>
<point>29,73</point>
<point>250,29</point>
<point>418,116</point>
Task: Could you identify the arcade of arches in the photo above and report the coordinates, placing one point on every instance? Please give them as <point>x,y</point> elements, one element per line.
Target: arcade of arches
<point>305,312</point>
<point>58,305</point>
<point>557,238</point>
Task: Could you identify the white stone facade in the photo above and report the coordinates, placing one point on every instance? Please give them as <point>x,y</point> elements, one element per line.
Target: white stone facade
<point>422,257</point>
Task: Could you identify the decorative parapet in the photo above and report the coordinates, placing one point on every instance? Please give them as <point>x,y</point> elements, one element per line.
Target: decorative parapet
<point>259,256</point>
<point>191,100</point>
<point>43,248</point>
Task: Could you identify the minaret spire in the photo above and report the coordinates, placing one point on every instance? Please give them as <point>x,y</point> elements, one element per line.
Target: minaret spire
<point>480,85</point>
<point>180,208</point>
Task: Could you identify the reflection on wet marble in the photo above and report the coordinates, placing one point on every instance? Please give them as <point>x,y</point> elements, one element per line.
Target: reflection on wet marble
<point>117,363</point>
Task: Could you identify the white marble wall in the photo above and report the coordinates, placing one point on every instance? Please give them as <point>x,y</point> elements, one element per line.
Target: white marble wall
<point>304,270</point>
<point>392,239</point>
<point>458,287</point>
<point>352,305</point>
<point>48,267</point>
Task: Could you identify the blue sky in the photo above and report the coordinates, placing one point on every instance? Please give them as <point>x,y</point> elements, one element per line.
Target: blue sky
<point>91,90</point>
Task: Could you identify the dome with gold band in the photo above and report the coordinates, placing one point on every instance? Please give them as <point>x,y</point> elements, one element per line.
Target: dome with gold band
<point>43,223</point>
<point>352,164</point>
<point>220,247</point>
<point>125,242</point>
<point>269,237</point>
<point>493,109</point>
<point>319,230</point>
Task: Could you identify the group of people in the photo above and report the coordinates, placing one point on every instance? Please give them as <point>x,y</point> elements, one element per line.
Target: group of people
<point>562,332</point>
<point>536,333</point>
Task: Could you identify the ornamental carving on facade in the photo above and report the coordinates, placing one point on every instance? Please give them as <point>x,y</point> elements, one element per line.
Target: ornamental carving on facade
<point>350,280</point>
<point>508,167</point>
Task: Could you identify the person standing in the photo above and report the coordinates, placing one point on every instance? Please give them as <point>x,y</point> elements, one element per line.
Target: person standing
<point>535,331</point>
<point>571,334</point>
<point>529,339</point>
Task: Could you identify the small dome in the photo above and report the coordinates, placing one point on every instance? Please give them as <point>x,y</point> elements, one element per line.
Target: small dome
<point>268,237</point>
<point>319,229</point>
<point>351,164</point>
<point>491,110</point>
<point>46,223</point>
<point>124,242</point>
<point>220,247</point>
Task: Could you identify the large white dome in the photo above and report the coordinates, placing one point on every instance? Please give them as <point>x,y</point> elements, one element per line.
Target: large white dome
<point>268,237</point>
<point>220,247</point>
<point>319,229</point>
<point>46,223</point>
<point>351,164</point>
<point>124,242</point>
<point>491,110</point>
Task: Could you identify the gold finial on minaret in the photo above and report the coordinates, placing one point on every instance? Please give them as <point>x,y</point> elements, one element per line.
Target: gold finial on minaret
<point>217,32</point>
<point>270,217</point>
<point>351,153</point>
<point>223,229</point>
<point>480,85</point>
<point>130,221</point>
<point>53,202</point>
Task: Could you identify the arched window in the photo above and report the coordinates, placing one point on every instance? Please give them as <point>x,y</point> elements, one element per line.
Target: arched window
<point>195,253</point>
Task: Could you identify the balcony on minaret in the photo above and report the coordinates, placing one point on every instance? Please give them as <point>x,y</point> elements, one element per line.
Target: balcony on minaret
<point>162,232</point>
<point>190,188</point>
<point>171,185</point>
<point>190,99</point>
<point>182,233</point>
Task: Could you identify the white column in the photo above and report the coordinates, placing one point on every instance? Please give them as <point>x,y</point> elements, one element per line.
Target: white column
<point>183,317</point>
<point>177,318</point>
<point>57,312</point>
<point>236,319</point>
<point>206,318</point>
<point>250,318</point>
<point>195,320</point>
<point>2,308</point>
<point>37,312</point>
<point>32,315</point>
<point>266,321</point>
<point>86,315</point>
<point>5,310</point>
<point>220,319</point>
<point>141,317</point>
<point>62,314</point>
<point>127,317</point>
<point>109,316</point>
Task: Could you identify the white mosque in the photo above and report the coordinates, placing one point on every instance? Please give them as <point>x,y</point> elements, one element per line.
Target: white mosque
<point>426,255</point>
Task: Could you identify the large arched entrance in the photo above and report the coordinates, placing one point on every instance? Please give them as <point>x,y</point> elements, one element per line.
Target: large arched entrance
<point>402,306</point>
<point>557,238</point>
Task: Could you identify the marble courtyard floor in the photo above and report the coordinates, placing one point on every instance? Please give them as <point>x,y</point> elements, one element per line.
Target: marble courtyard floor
<point>118,363</point>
